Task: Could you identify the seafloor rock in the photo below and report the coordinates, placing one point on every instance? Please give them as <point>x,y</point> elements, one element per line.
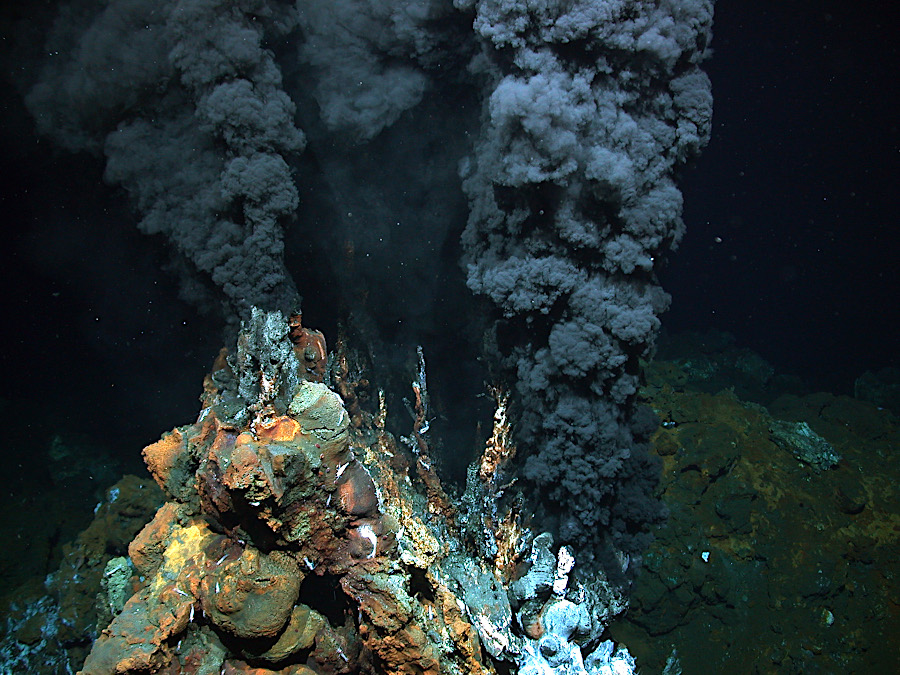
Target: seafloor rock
<point>297,542</point>
<point>51,620</point>
<point>767,563</point>
<point>804,444</point>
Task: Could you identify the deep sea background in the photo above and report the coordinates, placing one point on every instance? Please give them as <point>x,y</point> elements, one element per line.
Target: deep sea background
<point>791,210</point>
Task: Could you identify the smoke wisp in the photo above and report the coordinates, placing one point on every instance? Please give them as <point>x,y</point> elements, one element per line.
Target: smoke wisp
<point>185,101</point>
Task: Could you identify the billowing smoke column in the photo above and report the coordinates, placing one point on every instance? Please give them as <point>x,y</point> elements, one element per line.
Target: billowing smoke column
<point>591,108</point>
<point>186,103</point>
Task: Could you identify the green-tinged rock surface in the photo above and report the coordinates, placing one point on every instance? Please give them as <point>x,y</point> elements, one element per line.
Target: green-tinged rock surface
<point>767,563</point>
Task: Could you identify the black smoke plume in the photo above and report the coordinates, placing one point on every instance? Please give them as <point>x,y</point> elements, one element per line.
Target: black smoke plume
<point>590,109</point>
<point>538,142</point>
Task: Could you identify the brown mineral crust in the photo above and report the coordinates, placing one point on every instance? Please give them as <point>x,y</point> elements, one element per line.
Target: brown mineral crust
<point>160,456</point>
<point>137,639</point>
<point>499,448</point>
<point>359,543</point>
<point>296,475</point>
<point>214,498</point>
<point>320,412</point>
<point>408,650</point>
<point>287,469</point>
<point>463,634</point>
<point>398,496</point>
<point>310,348</point>
<point>251,596</point>
<point>299,634</point>
<point>221,445</point>
<point>338,651</point>
<point>173,459</point>
<point>438,502</point>
<point>203,430</point>
<point>510,535</point>
<point>389,630</point>
<point>356,491</point>
<point>312,527</point>
<point>380,596</point>
<point>171,463</point>
<point>351,391</point>
<point>309,633</point>
<point>250,471</point>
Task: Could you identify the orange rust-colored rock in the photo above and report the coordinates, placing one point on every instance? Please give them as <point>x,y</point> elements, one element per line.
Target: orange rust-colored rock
<point>166,459</point>
<point>284,429</point>
<point>253,595</point>
<point>459,628</point>
<point>408,651</point>
<point>160,456</point>
<point>134,640</point>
